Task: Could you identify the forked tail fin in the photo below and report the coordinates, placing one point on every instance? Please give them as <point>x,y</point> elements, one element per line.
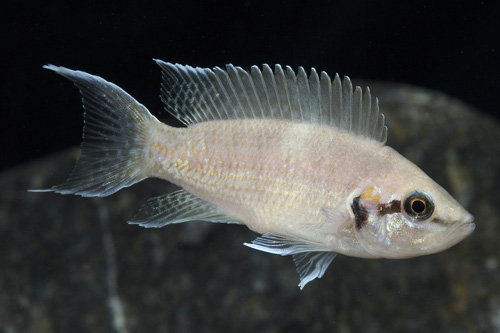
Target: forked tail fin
<point>114,137</point>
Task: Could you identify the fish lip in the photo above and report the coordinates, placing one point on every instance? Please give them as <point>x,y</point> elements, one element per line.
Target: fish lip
<point>465,228</point>
<point>469,222</point>
<point>458,232</point>
<point>472,226</point>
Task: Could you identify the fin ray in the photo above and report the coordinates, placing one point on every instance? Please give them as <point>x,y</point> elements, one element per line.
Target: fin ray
<point>195,95</point>
<point>311,259</point>
<point>113,137</point>
<point>312,265</point>
<point>178,207</point>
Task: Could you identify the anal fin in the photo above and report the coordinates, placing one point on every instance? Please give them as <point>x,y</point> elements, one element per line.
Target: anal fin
<point>311,259</point>
<point>178,207</point>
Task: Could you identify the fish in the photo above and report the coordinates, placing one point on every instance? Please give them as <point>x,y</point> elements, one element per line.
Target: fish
<point>298,158</point>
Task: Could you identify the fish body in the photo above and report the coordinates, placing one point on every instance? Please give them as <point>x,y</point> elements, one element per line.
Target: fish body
<point>301,160</point>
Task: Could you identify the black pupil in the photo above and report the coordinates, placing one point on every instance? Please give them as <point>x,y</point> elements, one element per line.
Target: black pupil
<point>418,206</point>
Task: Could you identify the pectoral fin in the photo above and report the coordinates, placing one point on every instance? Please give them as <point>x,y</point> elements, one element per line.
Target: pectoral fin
<point>311,259</point>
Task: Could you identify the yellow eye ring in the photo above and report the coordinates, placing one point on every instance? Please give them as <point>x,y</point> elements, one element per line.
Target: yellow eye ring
<point>418,205</point>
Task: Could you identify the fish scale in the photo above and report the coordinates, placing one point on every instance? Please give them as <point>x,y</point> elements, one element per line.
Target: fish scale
<point>270,169</point>
<point>299,159</point>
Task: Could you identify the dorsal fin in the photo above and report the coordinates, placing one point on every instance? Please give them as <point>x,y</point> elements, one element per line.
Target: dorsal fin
<point>195,95</point>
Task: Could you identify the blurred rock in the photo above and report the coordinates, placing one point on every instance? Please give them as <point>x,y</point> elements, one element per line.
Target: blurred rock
<point>72,264</point>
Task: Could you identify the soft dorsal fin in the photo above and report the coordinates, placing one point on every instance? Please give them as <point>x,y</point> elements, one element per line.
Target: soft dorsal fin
<point>195,95</point>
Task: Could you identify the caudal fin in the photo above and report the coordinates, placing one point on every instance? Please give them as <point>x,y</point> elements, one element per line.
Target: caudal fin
<point>114,137</point>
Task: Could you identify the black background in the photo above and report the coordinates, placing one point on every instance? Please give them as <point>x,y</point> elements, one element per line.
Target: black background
<point>441,45</point>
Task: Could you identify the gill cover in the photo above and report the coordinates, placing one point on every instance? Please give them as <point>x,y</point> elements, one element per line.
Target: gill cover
<point>394,229</point>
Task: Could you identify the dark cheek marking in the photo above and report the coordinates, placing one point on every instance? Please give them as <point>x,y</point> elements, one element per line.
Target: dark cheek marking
<point>437,220</point>
<point>360,214</point>
<point>389,208</point>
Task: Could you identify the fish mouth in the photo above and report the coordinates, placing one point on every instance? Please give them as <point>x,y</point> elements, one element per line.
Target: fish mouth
<point>466,229</point>
<point>468,225</point>
<point>460,231</point>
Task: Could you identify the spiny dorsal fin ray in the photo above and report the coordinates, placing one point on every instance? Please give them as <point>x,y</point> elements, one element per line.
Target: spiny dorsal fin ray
<point>311,259</point>
<point>178,207</point>
<point>195,95</point>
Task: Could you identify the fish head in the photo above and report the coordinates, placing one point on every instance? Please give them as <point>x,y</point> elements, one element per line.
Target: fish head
<point>408,221</point>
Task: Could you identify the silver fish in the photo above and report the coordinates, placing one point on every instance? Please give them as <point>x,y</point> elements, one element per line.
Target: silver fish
<point>299,159</point>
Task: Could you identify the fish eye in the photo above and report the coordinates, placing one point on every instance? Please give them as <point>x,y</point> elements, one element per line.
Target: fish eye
<point>418,205</point>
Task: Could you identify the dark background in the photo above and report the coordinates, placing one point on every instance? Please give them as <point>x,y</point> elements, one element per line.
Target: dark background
<point>441,45</point>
